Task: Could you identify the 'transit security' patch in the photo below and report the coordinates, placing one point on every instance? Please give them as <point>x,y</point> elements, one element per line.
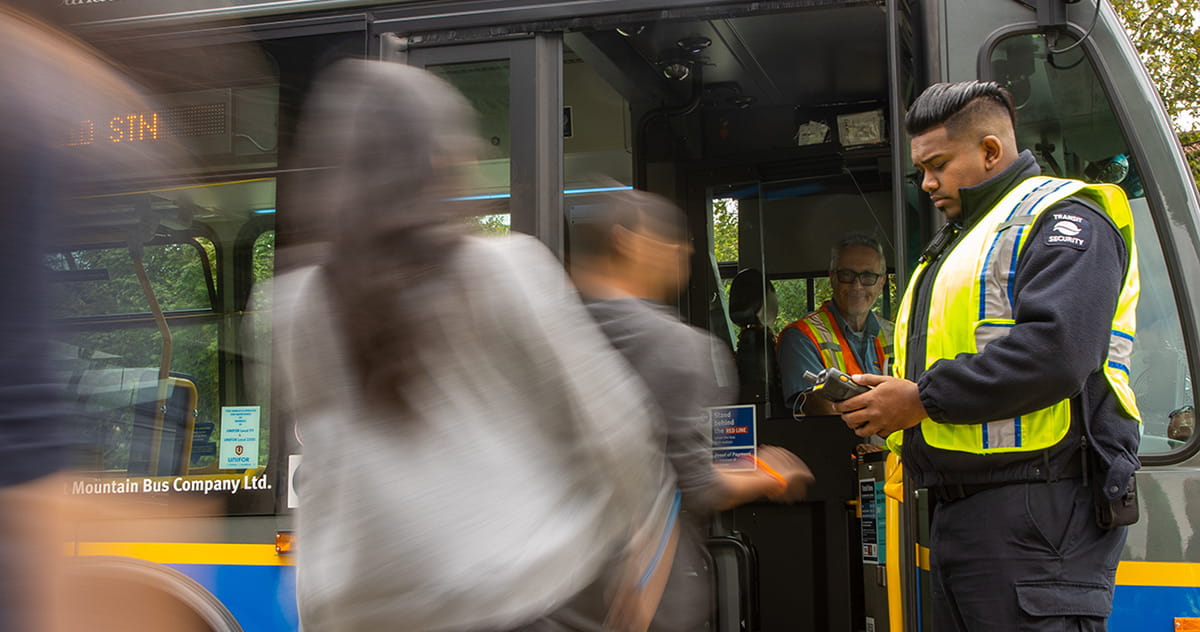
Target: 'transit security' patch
<point>1068,230</point>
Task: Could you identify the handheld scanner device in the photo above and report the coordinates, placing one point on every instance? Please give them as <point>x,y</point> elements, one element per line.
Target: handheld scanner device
<point>834,385</point>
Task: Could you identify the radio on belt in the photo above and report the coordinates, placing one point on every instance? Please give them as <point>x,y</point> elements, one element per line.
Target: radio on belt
<point>834,385</point>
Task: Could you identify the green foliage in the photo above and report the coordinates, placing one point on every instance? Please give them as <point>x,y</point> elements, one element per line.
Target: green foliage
<point>494,224</point>
<point>174,271</point>
<point>725,229</point>
<point>793,302</point>
<point>262,267</point>
<point>1191,146</point>
<point>259,382</point>
<point>263,258</point>
<point>1166,34</point>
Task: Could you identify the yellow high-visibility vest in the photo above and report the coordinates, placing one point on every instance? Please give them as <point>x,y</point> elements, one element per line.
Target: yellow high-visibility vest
<point>971,307</point>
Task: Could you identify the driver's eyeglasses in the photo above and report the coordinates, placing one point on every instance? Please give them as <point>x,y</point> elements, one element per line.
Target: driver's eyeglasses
<point>867,279</point>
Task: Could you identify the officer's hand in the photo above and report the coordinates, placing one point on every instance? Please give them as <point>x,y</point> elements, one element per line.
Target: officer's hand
<point>892,404</point>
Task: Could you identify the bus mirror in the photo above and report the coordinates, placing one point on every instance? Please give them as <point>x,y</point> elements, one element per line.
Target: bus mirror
<point>1183,422</point>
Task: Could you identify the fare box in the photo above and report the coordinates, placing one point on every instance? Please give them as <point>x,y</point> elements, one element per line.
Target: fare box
<point>734,435</point>
<point>239,437</point>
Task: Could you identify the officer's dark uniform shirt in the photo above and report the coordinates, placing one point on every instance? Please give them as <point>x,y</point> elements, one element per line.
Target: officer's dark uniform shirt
<point>1063,301</point>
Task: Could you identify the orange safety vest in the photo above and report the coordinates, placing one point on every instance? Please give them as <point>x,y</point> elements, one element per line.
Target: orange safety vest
<point>822,329</point>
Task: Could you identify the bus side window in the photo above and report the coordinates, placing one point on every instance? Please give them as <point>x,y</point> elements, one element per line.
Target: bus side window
<point>111,350</point>
<point>1064,117</point>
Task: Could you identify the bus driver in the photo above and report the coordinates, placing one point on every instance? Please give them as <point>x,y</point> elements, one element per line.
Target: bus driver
<point>843,333</point>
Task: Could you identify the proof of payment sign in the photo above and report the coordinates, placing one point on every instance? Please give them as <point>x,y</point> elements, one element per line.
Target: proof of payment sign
<point>734,435</point>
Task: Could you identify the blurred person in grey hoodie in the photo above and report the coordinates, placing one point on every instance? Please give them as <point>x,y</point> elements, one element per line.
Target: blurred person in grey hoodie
<point>630,259</point>
<point>476,454</point>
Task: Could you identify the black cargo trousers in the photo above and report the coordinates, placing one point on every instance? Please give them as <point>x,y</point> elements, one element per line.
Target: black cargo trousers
<point>1024,556</point>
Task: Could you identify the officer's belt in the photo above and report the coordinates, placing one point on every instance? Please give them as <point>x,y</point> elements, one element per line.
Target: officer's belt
<point>958,491</point>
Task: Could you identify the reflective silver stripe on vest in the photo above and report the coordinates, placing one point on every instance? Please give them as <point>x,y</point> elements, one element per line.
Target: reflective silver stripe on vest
<point>1005,433</point>
<point>987,333</point>
<point>823,333</point>
<point>1000,265</point>
<point>995,296</point>
<point>1120,350</point>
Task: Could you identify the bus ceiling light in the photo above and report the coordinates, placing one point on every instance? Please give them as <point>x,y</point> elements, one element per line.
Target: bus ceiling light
<point>694,45</point>
<point>676,70</point>
<point>631,30</point>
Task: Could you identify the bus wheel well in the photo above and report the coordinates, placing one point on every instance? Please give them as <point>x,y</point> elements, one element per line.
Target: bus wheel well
<point>106,593</point>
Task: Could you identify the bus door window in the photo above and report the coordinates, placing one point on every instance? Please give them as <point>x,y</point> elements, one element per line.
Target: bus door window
<point>597,147</point>
<point>1065,119</point>
<point>743,310</point>
<point>255,333</point>
<point>486,86</point>
<point>802,222</point>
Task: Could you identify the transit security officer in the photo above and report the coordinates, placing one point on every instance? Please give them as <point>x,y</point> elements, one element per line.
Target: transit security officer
<point>1012,356</point>
<point>843,333</point>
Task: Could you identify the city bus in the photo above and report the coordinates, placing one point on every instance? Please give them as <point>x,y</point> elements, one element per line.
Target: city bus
<point>777,127</point>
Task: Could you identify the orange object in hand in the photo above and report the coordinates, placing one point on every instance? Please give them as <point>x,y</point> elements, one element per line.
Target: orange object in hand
<point>768,470</point>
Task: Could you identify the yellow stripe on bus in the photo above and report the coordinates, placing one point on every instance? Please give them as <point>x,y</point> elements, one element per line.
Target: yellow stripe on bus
<point>922,557</point>
<point>190,553</point>
<point>176,188</point>
<point>1177,574</point>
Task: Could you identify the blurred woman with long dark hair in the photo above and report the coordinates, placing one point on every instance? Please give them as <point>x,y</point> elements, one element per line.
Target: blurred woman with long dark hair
<point>475,453</point>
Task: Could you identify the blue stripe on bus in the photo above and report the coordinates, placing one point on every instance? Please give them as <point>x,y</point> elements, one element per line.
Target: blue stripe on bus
<point>1140,608</point>
<point>261,598</point>
<point>505,196</point>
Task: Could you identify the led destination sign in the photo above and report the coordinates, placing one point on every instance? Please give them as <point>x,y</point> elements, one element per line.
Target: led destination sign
<point>185,121</point>
<point>127,128</point>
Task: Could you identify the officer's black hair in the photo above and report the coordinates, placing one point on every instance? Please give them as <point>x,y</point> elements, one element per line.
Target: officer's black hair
<point>958,106</point>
